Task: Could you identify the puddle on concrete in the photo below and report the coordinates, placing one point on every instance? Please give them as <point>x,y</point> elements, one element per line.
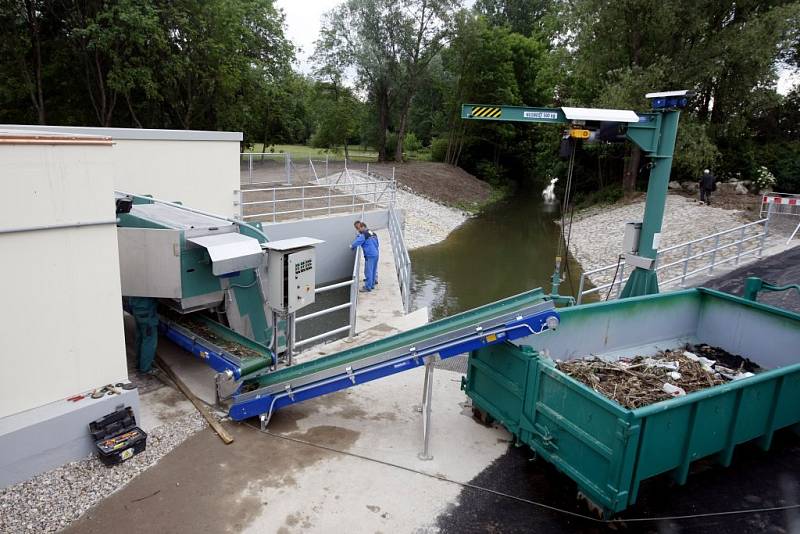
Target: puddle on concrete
<point>204,482</point>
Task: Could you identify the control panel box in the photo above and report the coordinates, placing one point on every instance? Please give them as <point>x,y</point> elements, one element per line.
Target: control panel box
<point>630,241</point>
<point>291,274</point>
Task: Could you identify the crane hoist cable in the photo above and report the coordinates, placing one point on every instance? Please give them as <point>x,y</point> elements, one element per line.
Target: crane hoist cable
<point>565,235</point>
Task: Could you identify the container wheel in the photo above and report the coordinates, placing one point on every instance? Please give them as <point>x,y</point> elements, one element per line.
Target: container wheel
<point>593,508</point>
<point>482,416</point>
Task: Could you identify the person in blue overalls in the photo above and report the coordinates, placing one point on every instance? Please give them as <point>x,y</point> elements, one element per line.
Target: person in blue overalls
<point>368,241</point>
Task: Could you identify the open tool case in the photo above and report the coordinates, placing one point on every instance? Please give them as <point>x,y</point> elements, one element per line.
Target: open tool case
<point>116,436</point>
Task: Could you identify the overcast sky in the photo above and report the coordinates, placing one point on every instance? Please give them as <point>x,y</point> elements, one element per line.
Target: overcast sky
<point>303,18</point>
<point>302,21</point>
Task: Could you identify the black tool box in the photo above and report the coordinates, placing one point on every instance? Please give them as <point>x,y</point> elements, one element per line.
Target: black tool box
<point>116,436</point>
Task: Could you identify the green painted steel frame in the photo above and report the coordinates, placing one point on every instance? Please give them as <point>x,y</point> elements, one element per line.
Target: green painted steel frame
<point>609,450</point>
<point>655,134</point>
<point>408,337</point>
<point>198,279</point>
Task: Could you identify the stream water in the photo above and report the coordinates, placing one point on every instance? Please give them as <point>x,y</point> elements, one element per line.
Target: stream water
<point>508,248</point>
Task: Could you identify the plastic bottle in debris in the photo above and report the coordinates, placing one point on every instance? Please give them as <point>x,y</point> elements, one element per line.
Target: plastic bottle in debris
<point>673,390</point>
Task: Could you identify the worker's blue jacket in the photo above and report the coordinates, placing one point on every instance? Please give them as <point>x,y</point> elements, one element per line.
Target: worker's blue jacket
<point>367,240</point>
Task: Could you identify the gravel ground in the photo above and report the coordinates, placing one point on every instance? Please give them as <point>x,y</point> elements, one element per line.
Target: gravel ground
<point>427,222</point>
<point>597,232</point>
<point>52,500</point>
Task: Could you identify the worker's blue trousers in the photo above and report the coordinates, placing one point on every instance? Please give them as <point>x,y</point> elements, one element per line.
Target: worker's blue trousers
<point>371,271</point>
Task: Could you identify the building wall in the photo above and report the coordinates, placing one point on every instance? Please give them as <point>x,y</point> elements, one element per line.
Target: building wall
<point>61,327</point>
<point>198,168</point>
<point>201,174</point>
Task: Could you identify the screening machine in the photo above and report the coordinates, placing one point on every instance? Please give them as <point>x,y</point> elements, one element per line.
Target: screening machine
<point>225,294</point>
<point>609,450</point>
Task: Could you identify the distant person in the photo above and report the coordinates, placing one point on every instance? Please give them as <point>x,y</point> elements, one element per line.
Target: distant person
<point>368,241</point>
<point>708,183</point>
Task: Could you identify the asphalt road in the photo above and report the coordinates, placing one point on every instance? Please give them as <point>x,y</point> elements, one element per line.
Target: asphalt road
<point>756,479</point>
<point>780,269</point>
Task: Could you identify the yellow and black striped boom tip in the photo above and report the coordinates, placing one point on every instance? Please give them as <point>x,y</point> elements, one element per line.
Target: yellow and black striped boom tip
<point>486,112</point>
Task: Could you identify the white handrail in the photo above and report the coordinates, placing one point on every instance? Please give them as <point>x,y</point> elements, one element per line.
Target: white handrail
<point>352,304</point>
<point>401,257</point>
<point>687,256</point>
<point>363,195</point>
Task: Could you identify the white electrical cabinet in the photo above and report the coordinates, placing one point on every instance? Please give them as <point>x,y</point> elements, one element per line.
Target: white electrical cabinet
<point>630,241</point>
<point>290,273</point>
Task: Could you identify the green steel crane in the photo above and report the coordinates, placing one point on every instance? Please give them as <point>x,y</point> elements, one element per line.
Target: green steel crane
<point>654,132</point>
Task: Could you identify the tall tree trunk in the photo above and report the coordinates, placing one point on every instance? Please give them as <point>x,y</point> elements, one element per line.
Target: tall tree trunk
<point>401,130</point>
<point>37,92</point>
<point>383,122</point>
<point>632,171</point>
<point>136,120</point>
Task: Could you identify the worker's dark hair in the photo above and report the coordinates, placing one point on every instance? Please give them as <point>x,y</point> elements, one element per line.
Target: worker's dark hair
<point>357,223</point>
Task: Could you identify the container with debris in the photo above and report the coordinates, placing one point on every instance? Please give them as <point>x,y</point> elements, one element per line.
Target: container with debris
<point>609,441</point>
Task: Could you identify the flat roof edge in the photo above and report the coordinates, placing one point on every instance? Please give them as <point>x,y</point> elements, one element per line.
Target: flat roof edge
<point>143,134</point>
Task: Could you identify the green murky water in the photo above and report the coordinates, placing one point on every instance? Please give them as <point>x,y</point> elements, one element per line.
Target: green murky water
<point>507,249</point>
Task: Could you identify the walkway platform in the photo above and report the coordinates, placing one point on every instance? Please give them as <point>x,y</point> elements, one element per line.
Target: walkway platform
<point>379,314</point>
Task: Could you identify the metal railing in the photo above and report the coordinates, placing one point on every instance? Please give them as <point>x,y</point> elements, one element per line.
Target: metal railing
<point>257,168</point>
<point>781,205</point>
<point>299,202</point>
<point>352,305</point>
<point>402,261</point>
<point>679,262</point>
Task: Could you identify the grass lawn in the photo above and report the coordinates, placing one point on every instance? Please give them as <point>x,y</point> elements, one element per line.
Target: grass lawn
<point>302,151</point>
<point>356,153</point>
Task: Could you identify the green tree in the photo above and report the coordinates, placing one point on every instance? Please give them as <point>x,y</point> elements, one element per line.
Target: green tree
<point>390,43</point>
<point>337,110</point>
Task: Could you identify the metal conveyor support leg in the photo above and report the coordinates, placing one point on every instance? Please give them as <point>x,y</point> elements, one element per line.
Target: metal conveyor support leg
<point>427,397</point>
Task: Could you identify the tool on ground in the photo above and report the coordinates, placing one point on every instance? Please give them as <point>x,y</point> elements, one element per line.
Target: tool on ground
<point>116,436</point>
<point>202,408</point>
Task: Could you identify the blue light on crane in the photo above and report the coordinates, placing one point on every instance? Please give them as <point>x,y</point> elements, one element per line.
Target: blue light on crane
<point>669,99</point>
<point>675,102</point>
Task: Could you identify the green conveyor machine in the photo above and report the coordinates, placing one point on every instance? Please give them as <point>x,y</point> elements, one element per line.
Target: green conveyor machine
<point>226,293</point>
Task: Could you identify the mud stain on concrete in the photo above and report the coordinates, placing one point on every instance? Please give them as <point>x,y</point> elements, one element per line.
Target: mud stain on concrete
<point>383,327</point>
<point>342,405</point>
<point>206,486</point>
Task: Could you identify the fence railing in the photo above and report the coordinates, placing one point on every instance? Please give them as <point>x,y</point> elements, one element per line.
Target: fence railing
<point>259,168</point>
<point>298,202</point>
<point>402,261</point>
<point>779,205</point>
<point>256,168</point>
<point>352,305</point>
<point>677,263</point>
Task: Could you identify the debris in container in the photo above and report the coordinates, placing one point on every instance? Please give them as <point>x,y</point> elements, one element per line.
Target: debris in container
<point>673,391</point>
<point>199,328</point>
<point>640,381</point>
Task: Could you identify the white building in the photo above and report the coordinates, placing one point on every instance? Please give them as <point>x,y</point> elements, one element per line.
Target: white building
<point>61,325</point>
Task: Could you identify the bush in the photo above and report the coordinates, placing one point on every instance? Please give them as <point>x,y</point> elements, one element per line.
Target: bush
<point>411,143</point>
<point>489,172</point>
<point>606,195</point>
<point>763,179</point>
<point>439,149</point>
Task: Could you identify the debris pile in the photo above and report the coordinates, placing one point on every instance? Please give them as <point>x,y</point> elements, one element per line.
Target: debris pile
<point>639,381</point>
<point>197,327</point>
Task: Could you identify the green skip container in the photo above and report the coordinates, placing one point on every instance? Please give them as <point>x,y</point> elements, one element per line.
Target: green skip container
<point>608,450</point>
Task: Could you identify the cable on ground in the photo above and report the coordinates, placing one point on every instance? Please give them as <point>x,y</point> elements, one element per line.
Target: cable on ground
<point>522,499</point>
